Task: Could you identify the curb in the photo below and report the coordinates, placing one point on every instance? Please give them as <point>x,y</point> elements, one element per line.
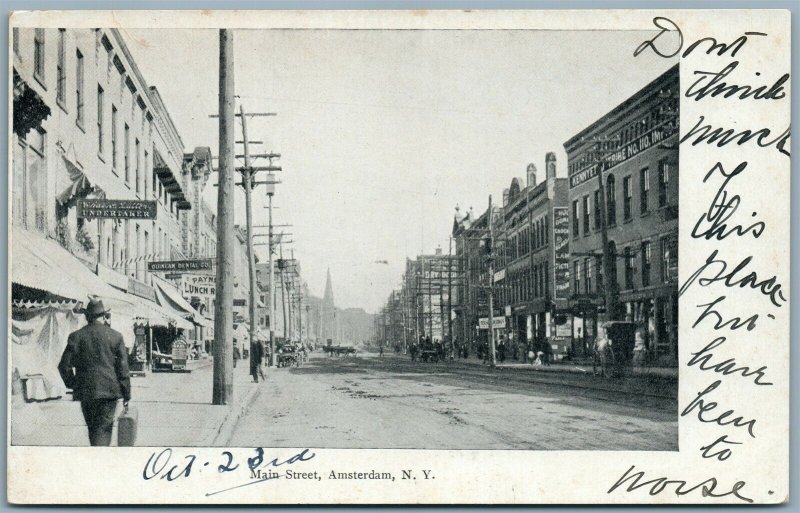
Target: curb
<point>225,430</point>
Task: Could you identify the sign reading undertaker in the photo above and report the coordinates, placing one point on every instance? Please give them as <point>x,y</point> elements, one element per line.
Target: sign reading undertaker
<point>116,209</point>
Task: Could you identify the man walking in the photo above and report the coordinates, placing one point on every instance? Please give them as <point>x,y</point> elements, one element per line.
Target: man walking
<point>95,366</point>
<point>256,357</point>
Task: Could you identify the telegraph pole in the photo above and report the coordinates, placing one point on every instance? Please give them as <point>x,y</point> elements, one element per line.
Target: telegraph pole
<point>491,284</point>
<point>223,315</point>
<point>247,179</point>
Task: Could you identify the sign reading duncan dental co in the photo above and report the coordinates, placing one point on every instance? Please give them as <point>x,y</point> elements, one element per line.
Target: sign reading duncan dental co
<point>201,264</point>
<point>116,209</point>
<point>199,285</point>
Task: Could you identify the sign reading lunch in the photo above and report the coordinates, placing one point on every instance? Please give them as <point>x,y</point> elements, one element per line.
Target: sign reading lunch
<point>116,209</point>
<point>201,264</point>
<point>199,285</point>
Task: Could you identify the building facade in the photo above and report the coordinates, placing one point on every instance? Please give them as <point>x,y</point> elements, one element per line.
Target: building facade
<point>632,153</point>
<point>86,125</point>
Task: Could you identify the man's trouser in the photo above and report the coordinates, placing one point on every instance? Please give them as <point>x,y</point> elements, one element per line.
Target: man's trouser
<point>99,417</point>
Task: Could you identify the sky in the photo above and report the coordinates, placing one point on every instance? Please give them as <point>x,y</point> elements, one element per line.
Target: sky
<point>382,133</point>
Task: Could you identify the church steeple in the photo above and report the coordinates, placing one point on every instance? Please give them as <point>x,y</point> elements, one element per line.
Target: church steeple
<point>328,310</point>
<point>328,298</point>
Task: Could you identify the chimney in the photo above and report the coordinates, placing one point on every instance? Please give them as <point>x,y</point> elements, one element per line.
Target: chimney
<point>531,175</point>
<point>438,250</point>
<point>550,164</point>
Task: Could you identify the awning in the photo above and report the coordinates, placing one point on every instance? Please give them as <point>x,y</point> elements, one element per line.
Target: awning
<point>42,264</point>
<point>169,297</point>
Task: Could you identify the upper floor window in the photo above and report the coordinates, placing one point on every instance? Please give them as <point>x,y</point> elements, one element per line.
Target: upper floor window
<point>628,256</point>
<point>61,71</point>
<point>646,263</point>
<point>611,200</point>
<point>663,182</point>
<point>627,197</point>
<point>38,55</point>
<point>100,114</point>
<point>644,189</point>
<point>79,95</point>
<point>586,215</point>
<point>597,209</point>
<point>113,137</point>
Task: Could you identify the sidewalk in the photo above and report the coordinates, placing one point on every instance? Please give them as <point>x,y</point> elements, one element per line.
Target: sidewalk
<point>174,410</point>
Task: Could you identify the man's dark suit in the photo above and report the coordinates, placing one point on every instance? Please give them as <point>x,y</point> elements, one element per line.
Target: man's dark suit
<point>95,366</point>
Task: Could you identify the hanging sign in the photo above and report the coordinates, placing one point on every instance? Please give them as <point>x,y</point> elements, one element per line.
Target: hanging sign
<point>199,264</point>
<point>116,209</point>
<point>198,285</point>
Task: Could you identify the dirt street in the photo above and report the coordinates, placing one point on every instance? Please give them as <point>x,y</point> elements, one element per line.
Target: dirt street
<point>371,402</point>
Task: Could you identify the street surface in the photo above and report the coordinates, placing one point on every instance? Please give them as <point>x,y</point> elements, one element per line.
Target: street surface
<point>390,402</point>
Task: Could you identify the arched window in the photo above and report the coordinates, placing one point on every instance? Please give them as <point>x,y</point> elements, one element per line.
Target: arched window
<point>611,200</point>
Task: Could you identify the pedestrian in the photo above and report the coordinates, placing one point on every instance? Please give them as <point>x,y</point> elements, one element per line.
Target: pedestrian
<point>95,366</point>
<point>547,351</point>
<point>256,358</point>
<point>236,353</point>
<point>501,348</point>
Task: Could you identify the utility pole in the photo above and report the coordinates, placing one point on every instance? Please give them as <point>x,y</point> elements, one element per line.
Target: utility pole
<point>223,315</point>
<point>270,193</point>
<point>491,284</point>
<point>283,291</point>
<point>247,179</point>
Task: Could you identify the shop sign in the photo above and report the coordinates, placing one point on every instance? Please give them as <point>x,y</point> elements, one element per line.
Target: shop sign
<point>116,209</point>
<point>200,264</point>
<point>138,288</point>
<point>564,330</point>
<point>561,250</point>
<point>199,285</point>
<point>624,153</point>
<point>239,302</point>
<point>497,323</point>
<point>508,311</point>
<point>180,352</point>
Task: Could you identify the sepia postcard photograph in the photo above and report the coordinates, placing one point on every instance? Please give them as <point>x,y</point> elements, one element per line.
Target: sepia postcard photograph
<point>377,255</point>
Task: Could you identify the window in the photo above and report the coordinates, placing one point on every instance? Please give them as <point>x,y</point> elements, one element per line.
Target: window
<point>138,252</point>
<point>597,211</point>
<point>646,263</point>
<point>545,227</point>
<point>545,279</point>
<point>100,114</point>
<point>667,257</point>
<point>61,71</point>
<point>136,170</point>
<point>611,200</point>
<point>146,249</point>
<point>627,197</point>
<point>663,182</point>
<point>644,188</point>
<point>628,268</point>
<point>599,267</point>
<point>586,215</point>
<point>145,173</point>
<point>587,272</point>
<point>28,199</point>
<point>127,143</point>
<point>575,220</point>
<point>113,138</point>
<point>79,88</point>
<point>38,55</point>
